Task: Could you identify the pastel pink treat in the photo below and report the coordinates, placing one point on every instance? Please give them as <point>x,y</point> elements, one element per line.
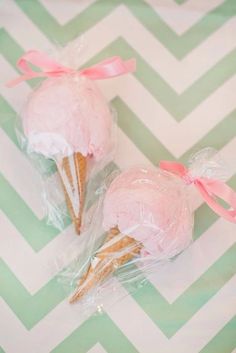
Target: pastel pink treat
<point>68,114</point>
<point>151,206</point>
<point>145,212</point>
<point>147,216</point>
<point>68,119</point>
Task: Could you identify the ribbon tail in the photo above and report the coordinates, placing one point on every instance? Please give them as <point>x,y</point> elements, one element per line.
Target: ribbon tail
<point>16,81</point>
<point>209,190</point>
<point>130,65</point>
<point>27,77</point>
<point>111,67</point>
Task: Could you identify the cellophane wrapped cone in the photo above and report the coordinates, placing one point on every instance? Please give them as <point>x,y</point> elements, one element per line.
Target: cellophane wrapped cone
<point>143,218</point>
<point>67,128</point>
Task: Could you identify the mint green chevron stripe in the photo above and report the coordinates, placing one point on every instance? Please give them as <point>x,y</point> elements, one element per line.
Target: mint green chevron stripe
<point>179,106</point>
<point>180,2</point>
<point>170,318</point>
<point>36,232</point>
<point>31,309</point>
<point>151,147</point>
<point>81,23</point>
<point>11,50</point>
<point>8,120</point>
<point>97,329</point>
<point>224,341</point>
<point>9,47</point>
<point>178,45</point>
<point>1,350</point>
<point>79,342</point>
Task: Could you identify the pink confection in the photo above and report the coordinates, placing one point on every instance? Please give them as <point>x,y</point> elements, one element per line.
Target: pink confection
<point>150,205</point>
<point>68,114</point>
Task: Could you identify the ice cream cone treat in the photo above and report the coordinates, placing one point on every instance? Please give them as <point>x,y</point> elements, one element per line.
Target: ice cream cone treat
<point>116,251</point>
<point>140,213</point>
<point>67,119</point>
<point>147,213</point>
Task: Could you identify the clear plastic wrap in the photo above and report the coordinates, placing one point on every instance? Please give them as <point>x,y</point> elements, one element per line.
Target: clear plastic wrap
<point>68,122</point>
<point>52,151</point>
<point>143,217</point>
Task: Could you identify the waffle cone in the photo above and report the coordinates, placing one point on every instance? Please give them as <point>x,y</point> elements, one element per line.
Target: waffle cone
<point>106,261</point>
<point>72,171</point>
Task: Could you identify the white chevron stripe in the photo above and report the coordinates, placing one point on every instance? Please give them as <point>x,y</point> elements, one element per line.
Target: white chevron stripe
<point>21,174</point>
<point>47,330</point>
<point>16,96</point>
<point>20,26</point>
<point>29,184</point>
<point>97,348</point>
<point>204,324</point>
<point>177,137</point>
<point>181,17</point>
<point>128,154</point>
<point>139,329</point>
<point>23,261</point>
<point>43,264</point>
<point>65,10</point>
<point>208,321</point>
<point>174,278</point>
<point>179,74</point>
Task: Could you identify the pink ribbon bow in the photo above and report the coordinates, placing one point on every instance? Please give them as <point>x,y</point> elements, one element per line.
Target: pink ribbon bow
<point>110,67</point>
<point>208,188</point>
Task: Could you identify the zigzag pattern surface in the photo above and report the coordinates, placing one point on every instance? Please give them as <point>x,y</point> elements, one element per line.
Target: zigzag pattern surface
<point>181,98</point>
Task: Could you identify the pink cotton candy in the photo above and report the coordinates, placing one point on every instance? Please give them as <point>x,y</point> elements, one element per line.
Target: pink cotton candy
<point>150,205</point>
<point>68,114</point>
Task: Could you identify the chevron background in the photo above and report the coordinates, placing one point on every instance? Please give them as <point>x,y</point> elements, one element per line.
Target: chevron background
<point>181,98</point>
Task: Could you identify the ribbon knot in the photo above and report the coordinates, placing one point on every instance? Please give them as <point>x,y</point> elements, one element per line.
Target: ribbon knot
<point>188,179</point>
<point>111,67</point>
<point>210,189</point>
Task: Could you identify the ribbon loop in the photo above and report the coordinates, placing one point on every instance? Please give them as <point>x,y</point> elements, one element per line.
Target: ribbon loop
<point>40,60</point>
<point>111,67</point>
<point>210,189</point>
